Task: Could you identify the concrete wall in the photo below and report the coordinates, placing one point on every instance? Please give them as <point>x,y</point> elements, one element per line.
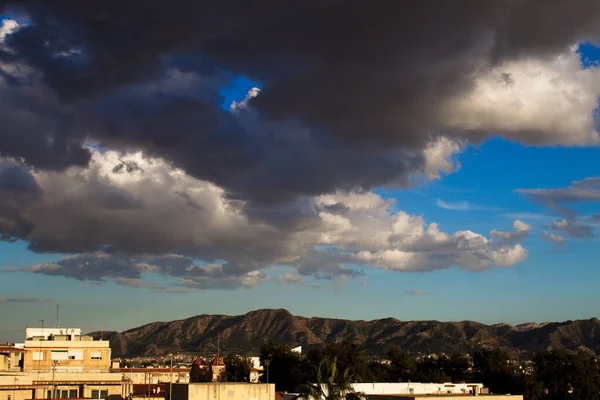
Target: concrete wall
<point>223,391</point>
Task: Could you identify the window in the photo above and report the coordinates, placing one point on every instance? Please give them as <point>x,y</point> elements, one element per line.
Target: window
<point>75,354</point>
<point>63,394</point>
<point>96,355</point>
<point>37,356</point>
<point>59,355</point>
<point>99,394</point>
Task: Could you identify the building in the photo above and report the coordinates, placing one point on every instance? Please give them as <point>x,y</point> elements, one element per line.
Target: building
<point>403,390</point>
<point>64,349</point>
<point>408,388</point>
<point>59,363</point>
<point>47,385</point>
<point>11,358</point>
<point>223,391</point>
<point>256,371</point>
<point>446,397</point>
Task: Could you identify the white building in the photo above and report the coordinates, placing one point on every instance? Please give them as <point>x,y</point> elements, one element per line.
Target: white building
<point>416,388</point>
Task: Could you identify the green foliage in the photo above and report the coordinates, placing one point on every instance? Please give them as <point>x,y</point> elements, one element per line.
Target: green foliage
<point>379,371</point>
<point>555,374</point>
<point>349,356</point>
<point>403,365</point>
<point>237,368</point>
<point>332,383</point>
<point>568,376</point>
<point>283,367</point>
<point>200,374</point>
<point>494,369</point>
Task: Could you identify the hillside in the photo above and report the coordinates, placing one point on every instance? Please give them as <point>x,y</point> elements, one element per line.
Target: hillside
<point>246,333</point>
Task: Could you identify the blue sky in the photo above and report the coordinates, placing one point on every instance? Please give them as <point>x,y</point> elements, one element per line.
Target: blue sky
<point>555,282</point>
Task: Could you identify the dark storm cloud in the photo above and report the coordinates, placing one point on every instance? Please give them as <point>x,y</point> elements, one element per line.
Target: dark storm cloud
<point>128,271</point>
<point>360,76</point>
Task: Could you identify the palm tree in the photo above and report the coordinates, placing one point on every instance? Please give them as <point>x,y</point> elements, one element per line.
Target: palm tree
<point>332,384</point>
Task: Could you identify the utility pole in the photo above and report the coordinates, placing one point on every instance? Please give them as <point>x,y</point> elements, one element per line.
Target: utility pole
<point>171,378</point>
<point>53,386</point>
<point>267,362</point>
<point>57,320</point>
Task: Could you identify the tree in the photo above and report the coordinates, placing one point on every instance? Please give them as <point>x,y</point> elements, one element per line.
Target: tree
<point>349,355</point>
<point>200,374</point>
<point>283,367</point>
<point>332,383</point>
<point>495,370</point>
<point>237,368</point>
<point>568,376</point>
<point>431,369</point>
<point>403,365</point>
<point>379,371</point>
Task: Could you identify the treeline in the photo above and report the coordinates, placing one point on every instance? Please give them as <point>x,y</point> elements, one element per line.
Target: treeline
<point>553,374</point>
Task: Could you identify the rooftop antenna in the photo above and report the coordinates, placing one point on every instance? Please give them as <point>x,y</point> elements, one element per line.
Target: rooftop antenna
<point>57,320</point>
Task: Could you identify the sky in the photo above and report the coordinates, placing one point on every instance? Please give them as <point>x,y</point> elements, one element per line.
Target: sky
<point>318,159</point>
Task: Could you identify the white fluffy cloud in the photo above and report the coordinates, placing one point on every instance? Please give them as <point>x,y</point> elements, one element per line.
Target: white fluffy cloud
<point>533,100</point>
<point>126,211</point>
<point>440,157</point>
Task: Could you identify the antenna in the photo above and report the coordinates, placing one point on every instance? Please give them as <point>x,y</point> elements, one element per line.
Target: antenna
<point>57,320</point>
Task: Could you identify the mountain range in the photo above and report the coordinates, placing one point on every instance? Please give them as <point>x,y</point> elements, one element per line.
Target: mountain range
<point>245,334</point>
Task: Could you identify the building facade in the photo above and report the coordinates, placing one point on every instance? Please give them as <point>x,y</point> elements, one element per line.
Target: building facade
<point>64,350</point>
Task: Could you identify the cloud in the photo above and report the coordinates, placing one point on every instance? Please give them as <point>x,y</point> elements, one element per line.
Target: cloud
<point>288,278</point>
<point>520,232</point>
<point>128,215</point>
<point>573,228</point>
<point>515,98</point>
<point>286,176</point>
<point>417,292</point>
<point>24,300</point>
<point>552,238</point>
<point>462,206</point>
<point>493,74</point>
<point>585,190</point>
<point>527,216</point>
<point>439,157</point>
<point>559,200</point>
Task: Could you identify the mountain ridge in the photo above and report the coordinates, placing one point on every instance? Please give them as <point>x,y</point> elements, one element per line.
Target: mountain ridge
<point>245,334</point>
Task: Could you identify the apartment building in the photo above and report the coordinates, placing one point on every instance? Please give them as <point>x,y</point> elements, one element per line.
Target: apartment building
<point>59,363</point>
<point>64,350</point>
